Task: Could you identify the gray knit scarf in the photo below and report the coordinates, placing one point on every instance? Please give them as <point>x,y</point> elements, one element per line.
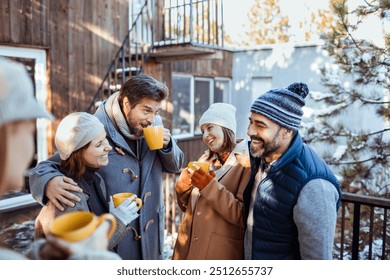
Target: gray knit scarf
<point>115,114</point>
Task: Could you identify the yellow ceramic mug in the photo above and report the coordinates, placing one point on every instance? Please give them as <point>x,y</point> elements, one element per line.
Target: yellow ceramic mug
<point>78,225</point>
<point>154,137</point>
<point>203,165</point>
<point>118,198</point>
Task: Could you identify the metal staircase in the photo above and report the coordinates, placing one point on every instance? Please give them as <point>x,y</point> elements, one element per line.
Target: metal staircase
<point>181,28</point>
<point>129,59</point>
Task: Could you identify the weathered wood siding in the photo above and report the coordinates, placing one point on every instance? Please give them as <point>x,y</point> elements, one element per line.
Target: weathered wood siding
<point>219,65</point>
<point>80,36</point>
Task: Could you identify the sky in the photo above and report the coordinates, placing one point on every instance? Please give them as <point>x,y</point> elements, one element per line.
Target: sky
<point>236,15</point>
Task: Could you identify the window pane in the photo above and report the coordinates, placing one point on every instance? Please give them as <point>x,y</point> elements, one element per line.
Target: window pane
<point>221,91</point>
<point>181,98</point>
<point>202,101</point>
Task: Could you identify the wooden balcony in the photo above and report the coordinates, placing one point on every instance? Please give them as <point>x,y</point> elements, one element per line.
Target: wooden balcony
<point>185,51</point>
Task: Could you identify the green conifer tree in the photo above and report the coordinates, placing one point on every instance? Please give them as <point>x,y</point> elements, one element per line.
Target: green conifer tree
<point>362,158</point>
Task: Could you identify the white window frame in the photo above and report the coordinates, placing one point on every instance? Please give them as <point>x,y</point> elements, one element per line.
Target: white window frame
<point>40,90</point>
<point>39,56</point>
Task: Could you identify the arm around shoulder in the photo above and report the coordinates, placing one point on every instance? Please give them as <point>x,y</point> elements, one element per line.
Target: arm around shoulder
<point>41,175</point>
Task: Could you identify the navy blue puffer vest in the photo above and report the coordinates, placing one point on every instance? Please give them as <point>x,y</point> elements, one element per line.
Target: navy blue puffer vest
<point>275,234</point>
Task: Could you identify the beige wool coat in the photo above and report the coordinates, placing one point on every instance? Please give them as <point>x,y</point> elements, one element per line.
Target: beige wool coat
<point>213,222</point>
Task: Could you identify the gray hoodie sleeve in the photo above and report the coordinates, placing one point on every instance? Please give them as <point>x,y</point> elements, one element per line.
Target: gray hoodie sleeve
<point>41,174</point>
<point>315,215</point>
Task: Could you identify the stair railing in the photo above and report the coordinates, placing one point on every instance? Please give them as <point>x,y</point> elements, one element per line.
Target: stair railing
<point>129,59</point>
<point>197,22</point>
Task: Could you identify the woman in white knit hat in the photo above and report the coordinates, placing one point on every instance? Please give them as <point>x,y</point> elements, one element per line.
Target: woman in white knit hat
<point>83,148</point>
<point>18,113</point>
<point>213,226</point>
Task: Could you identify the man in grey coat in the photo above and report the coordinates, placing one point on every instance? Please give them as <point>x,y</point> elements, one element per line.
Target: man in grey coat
<point>132,167</point>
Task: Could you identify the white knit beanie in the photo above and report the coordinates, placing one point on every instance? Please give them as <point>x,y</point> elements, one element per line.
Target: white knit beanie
<point>17,101</point>
<point>75,131</point>
<point>222,114</point>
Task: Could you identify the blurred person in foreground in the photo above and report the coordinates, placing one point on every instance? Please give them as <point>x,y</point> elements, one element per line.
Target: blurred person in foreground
<point>83,150</point>
<point>213,222</point>
<point>292,199</point>
<point>18,112</point>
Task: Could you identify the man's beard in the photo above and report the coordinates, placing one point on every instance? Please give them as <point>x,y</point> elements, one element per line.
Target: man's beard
<point>133,128</point>
<point>257,152</point>
<point>266,149</point>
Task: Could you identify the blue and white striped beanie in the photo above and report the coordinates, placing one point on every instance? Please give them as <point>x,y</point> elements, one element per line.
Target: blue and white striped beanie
<point>283,106</point>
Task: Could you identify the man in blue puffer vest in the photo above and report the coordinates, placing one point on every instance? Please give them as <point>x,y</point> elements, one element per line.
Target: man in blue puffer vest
<point>292,198</point>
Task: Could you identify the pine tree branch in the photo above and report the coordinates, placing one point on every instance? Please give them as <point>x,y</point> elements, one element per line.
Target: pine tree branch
<point>346,28</point>
<point>325,137</point>
<point>379,131</point>
<point>368,101</point>
<point>355,162</point>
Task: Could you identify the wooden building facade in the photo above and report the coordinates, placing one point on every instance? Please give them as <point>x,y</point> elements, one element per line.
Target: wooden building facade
<point>78,39</point>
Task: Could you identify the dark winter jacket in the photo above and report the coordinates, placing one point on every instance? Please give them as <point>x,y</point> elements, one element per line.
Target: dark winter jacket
<point>275,234</point>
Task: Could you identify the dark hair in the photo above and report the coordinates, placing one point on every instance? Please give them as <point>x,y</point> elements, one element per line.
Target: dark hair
<point>142,86</point>
<point>75,164</point>
<point>229,142</point>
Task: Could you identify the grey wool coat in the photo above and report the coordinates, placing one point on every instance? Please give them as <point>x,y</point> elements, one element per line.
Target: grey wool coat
<point>145,236</point>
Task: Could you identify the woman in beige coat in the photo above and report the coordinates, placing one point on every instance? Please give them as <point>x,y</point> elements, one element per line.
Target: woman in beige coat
<point>212,226</point>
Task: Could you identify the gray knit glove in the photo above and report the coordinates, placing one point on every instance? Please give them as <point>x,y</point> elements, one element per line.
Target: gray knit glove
<point>126,212</point>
